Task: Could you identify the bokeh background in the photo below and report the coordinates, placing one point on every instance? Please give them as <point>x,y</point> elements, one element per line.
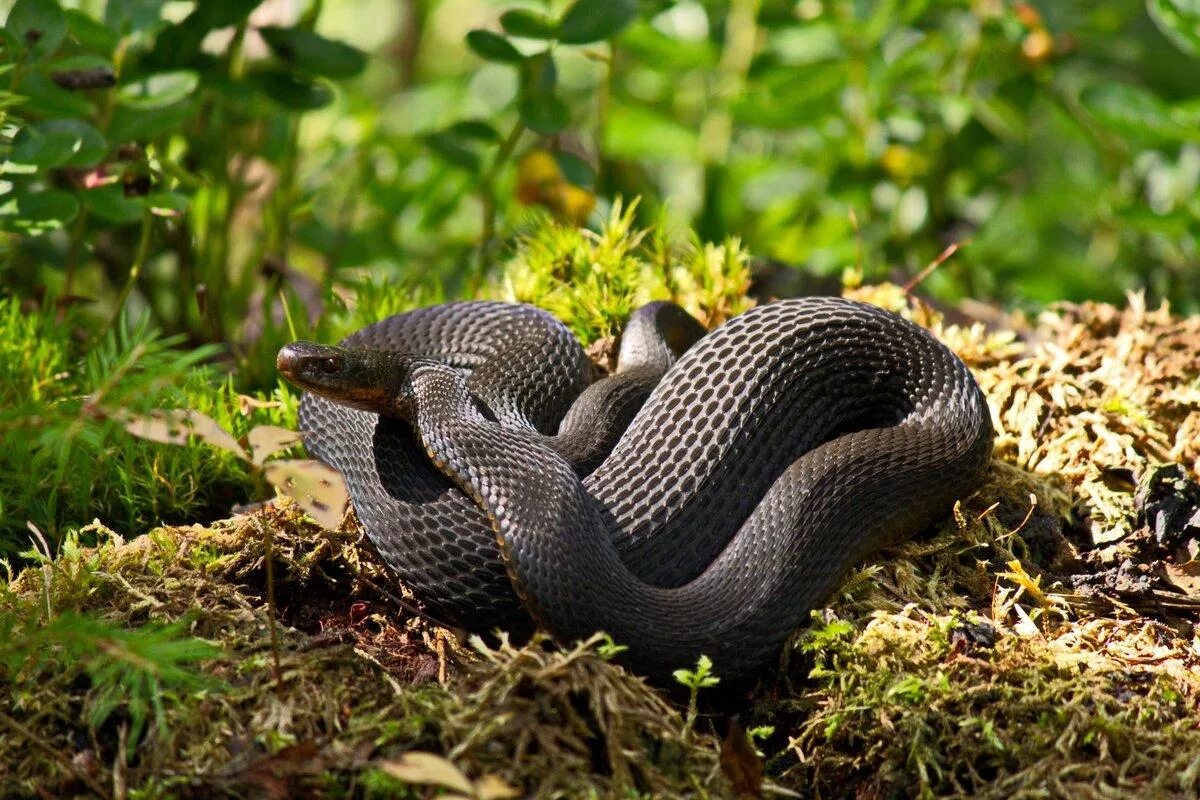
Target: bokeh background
<point>1059,143</point>
<point>188,185</point>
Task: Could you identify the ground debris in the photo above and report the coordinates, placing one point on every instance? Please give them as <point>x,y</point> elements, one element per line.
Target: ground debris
<point>1042,641</point>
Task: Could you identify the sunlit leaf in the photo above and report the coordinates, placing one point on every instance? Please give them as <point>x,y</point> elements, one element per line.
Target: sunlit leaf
<point>490,787</point>
<point>37,212</point>
<point>1133,111</point>
<point>316,487</point>
<point>58,142</point>
<point>267,440</point>
<point>636,132</point>
<point>427,768</point>
<point>166,204</point>
<point>1179,20</point>
<point>178,425</point>
<point>159,90</point>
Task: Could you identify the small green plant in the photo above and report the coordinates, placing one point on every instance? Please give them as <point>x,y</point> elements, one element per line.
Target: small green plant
<point>701,677</point>
<point>65,458</point>
<point>133,673</point>
<point>593,280</point>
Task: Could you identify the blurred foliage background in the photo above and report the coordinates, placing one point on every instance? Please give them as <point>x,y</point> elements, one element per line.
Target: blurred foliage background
<point>196,159</point>
<point>178,175</point>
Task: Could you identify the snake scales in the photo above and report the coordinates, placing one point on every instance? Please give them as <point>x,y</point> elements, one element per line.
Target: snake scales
<point>777,451</point>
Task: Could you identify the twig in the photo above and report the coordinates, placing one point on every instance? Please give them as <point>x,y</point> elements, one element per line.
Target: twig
<point>398,601</point>
<point>55,753</point>
<point>937,262</point>
<point>272,624</point>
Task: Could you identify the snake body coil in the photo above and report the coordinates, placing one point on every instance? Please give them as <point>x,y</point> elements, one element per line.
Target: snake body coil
<point>783,447</point>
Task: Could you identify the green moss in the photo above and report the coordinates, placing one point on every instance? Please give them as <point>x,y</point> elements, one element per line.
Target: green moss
<point>64,457</point>
<point>593,281</point>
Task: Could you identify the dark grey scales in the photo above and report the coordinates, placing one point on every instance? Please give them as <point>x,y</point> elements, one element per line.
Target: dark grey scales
<point>779,450</point>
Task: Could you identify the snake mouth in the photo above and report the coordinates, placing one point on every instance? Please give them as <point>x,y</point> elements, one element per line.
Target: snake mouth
<point>297,360</point>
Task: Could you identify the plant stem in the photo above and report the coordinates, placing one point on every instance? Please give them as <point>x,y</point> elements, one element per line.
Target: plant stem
<point>716,129</point>
<point>741,40</point>
<point>135,269</point>
<point>77,231</point>
<point>487,196</point>
<point>272,625</point>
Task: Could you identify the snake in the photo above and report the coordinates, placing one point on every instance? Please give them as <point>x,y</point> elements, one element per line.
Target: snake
<point>702,500</point>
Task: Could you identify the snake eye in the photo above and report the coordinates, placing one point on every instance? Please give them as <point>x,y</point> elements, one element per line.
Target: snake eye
<point>330,365</point>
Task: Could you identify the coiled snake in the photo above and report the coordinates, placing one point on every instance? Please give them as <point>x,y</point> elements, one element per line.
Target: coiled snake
<point>778,450</point>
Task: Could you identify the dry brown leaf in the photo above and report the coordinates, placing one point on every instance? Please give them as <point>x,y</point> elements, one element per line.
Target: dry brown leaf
<point>740,763</point>
<point>428,769</point>
<point>490,787</point>
<point>267,440</point>
<point>176,425</point>
<point>316,487</point>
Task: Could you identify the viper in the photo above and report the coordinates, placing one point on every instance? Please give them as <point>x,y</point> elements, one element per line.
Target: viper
<point>703,499</point>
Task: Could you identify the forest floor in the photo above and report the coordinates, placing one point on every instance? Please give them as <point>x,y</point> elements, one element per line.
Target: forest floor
<point>1042,640</point>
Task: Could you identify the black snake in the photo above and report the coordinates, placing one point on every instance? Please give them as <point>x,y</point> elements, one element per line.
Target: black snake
<point>778,450</point>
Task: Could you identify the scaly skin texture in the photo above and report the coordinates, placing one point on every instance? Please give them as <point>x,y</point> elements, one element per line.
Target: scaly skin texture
<point>526,370</point>
<point>784,447</point>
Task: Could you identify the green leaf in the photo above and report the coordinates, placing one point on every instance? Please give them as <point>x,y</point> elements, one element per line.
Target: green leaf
<point>160,89</point>
<point>39,25</point>
<point>539,74</point>
<point>210,15</point>
<point>91,33</point>
<point>167,204</point>
<point>451,149</point>
<point>543,113</point>
<point>589,21</point>
<point>528,24</point>
<point>142,124</point>
<point>313,53</point>
<point>576,170</point>
<point>37,213</point>
<point>1179,20</point>
<point>493,47</point>
<point>539,107</point>
<point>59,143</point>
<point>42,149</point>
<point>292,92</point>
<point>44,99</point>
<point>1133,112</point>
<point>135,16</point>
<point>475,129</point>
<point>110,204</point>
<point>634,132</point>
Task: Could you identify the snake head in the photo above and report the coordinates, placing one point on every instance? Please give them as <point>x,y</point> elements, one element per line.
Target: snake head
<point>369,380</point>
